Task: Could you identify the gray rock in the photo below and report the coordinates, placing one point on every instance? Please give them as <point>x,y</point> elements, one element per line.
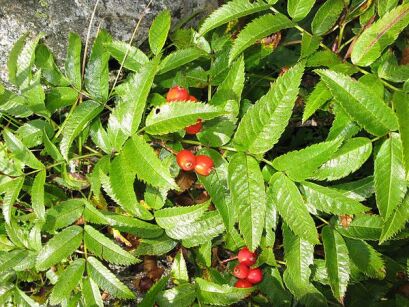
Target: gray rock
<point>59,17</point>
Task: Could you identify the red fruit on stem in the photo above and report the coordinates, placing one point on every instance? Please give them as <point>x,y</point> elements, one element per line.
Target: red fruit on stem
<point>255,276</point>
<point>243,283</point>
<point>177,93</point>
<point>195,128</point>
<point>186,160</point>
<point>192,98</point>
<point>204,165</point>
<point>246,257</point>
<point>241,271</point>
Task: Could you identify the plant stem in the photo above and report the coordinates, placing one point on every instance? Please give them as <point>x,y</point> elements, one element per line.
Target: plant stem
<point>321,219</point>
<point>65,121</point>
<point>129,46</point>
<point>84,60</point>
<point>192,142</point>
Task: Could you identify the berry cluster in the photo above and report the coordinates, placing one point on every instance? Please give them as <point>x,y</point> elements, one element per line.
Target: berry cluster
<point>187,161</point>
<point>247,276</point>
<point>178,93</point>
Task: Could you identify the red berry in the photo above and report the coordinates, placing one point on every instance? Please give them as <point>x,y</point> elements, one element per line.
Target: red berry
<point>195,128</point>
<point>186,160</point>
<point>241,271</point>
<point>246,257</point>
<point>255,276</point>
<point>204,165</point>
<point>177,93</point>
<point>243,283</point>
<point>192,98</point>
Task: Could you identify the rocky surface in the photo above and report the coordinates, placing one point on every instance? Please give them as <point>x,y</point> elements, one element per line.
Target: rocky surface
<point>58,17</point>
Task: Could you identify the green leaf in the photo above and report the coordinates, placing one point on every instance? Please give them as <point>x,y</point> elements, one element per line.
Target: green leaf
<point>365,227</point>
<point>180,58</point>
<point>342,127</point>
<point>326,16</point>
<point>100,137</point>
<point>31,132</point>
<point>121,180</point>
<point>175,116</point>
<point>21,60</point>
<point>135,58</point>
<point>217,187</point>
<point>22,299</point>
<point>257,29</point>
<point>49,70</point>
<point>94,215</point>
<point>104,248</point>
<point>131,106</point>
<point>360,103</point>
<point>151,295</point>
<point>157,246</point>
<point>180,296</point>
<point>12,62</point>
<point>264,122</point>
<point>360,189</point>
<point>366,258</point>
<point>90,293</point>
<point>20,151</point>
<point>12,190</point>
<point>34,97</point>
<point>390,70</point>
<point>396,222</point>
<point>380,35</point>
<point>330,200</point>
<point>204,254</point>
<point>63,214</point>
<point>385,6</point>
<point>106,280</point>
<point>273,287</point>
<point>309,44</point>
<point>248,196</point>
<point>230,11</point>
<point>179,270</point>
<point>298,9</point>
<point>198,232</point>
<point>73,60</point>
<point>318,97</point>
<point>67,282</point>
<point>400,101</point>
<point>299,255</point>
<point>74,124</point>
<point>149,167</point>
<point>37,194</point>
<point>301,164</point>
<point>336,261</point>
<point>14,258</point>
<point>158,31</point>
<point>214,294</point>
<point>169,217</point>
<point>59,247</point>
<point>290,204</point>
<point>389,176</point>
<point>97,73</point>
<point>60,97</point>
<point>218,131</point>
<point>348,159</point>
<point>134,226</point>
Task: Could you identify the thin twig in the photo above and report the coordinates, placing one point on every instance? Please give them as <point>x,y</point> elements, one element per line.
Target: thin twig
<point>129,45</point>
<point>84,59</point>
